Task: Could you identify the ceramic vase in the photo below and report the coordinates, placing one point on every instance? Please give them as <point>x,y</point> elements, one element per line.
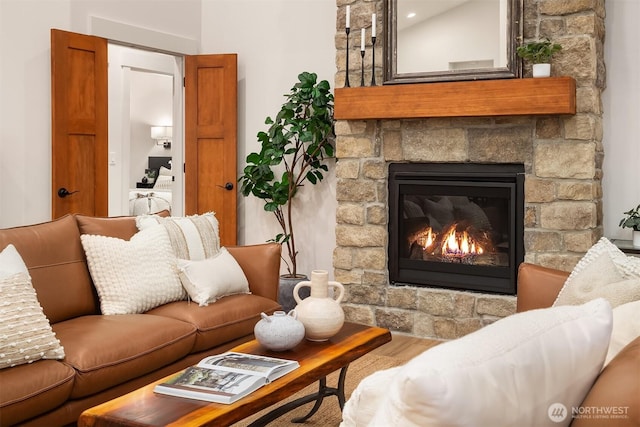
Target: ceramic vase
<point>285,292</point>
<point>320,313</point>
<point>636,239</point>
<point>280,331</point>
<point>541,70</point>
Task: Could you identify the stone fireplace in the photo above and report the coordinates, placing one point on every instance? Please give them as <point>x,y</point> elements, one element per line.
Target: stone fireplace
<point>561,156</point>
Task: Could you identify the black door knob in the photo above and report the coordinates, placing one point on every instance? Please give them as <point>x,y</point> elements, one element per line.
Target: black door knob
<point>228,186</point>
<point>63,192</point>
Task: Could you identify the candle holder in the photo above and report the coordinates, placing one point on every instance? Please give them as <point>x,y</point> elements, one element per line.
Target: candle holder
<point>346,79</point>
<point>373,60</point>
<point>362,68</point>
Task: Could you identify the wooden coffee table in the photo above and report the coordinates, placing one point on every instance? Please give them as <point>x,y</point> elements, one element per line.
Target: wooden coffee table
<point>143,407</point>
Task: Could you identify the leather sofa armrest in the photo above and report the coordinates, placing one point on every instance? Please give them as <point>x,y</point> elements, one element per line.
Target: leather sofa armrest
<point>261,265</point>
<point>538,286</point>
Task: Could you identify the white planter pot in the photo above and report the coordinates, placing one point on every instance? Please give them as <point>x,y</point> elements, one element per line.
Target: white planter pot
<point>541,70</point>
<point>636,239</point>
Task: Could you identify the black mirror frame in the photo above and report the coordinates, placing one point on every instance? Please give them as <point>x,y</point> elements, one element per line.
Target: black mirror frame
<point>512,70</point>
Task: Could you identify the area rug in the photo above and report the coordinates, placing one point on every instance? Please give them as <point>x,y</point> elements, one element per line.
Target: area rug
<point>329,414</point>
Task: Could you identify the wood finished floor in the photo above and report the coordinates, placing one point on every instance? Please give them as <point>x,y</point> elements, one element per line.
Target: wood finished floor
<point>404,347</point>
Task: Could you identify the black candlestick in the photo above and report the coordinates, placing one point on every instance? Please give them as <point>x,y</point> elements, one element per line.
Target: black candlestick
<point>346,80</point>
<point>362,71</point>
<point>373,60</point>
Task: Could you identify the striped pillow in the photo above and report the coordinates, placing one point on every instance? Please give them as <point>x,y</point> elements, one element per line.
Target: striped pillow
<point>194,237</point>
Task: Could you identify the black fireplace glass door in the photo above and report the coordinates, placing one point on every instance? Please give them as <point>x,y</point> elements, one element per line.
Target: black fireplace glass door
<point>463,233</point>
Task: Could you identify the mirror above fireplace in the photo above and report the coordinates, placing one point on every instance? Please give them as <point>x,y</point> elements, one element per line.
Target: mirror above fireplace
<point>450,40</point>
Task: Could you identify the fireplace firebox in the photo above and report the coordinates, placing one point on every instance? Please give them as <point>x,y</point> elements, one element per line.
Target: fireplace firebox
<point>456,225</point>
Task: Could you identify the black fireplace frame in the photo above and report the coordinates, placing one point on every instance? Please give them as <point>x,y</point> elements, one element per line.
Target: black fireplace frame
<point>505,177</point>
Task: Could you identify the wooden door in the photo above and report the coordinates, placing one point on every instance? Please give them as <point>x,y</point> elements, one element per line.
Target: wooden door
<point>211,139</point>
<point>79,120</point>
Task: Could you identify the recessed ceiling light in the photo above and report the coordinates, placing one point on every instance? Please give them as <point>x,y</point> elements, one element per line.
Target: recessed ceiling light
<point>411,14</point>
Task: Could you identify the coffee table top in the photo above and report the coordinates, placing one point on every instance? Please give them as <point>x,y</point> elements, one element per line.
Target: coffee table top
<point>143,407</point>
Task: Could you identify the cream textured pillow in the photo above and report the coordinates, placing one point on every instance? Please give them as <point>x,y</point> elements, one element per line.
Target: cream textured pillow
<point>513,372</point>
<point>25,332</point>
<point>212,278</point>
<point>626,328</point>
<point>133,276</point>
<point>192,237</point>
<point>604,271</point>
<point>11,262</point>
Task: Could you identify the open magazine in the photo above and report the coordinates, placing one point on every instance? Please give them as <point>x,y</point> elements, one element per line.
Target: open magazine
<point>227,377</point>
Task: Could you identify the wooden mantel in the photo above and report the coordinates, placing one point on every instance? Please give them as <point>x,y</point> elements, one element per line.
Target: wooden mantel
<point>507,97</point>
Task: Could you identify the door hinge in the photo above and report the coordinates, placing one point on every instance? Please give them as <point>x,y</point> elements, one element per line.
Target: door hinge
<point>184,168</point>
<point>184,82</point>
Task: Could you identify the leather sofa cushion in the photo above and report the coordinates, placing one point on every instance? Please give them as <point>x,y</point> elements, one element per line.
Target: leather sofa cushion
<point>616,388</point>
<point>55,258</point>
<point>33,389</point>
<point>121,227</point>
<point>228,318</point>
<point>110,350</point>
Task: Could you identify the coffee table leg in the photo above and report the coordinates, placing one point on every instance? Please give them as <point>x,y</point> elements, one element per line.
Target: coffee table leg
<point>318,397</point>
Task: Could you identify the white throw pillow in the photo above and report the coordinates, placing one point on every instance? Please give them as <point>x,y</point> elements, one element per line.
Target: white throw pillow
<point>194,237</point>
<point>11,262</point>
<point>163,182</point>
<point>603,272</point>
<point>25,332</point>
<point>212,278</point>
<point>133,276</point>
<point>510,373</point>
<point>367,398</point>
<point>626,328</point>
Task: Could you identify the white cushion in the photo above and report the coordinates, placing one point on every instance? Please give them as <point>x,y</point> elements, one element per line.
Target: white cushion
<point>11,262</point>
<point>133,276</point>
<point>212,278</point>
<point>163,182</point>
<point>367,398</point>
<point>506,374</point>
<point>626,328</point>
<point>194,237</point>
<point>25,332</point>
<point>604,271</point>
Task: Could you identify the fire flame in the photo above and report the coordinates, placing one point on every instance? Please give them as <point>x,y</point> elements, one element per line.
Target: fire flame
<point>460,243</point>
<point>427,239</point>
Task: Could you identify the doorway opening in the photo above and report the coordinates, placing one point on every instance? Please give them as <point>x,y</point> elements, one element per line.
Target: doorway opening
<point>145,91</point>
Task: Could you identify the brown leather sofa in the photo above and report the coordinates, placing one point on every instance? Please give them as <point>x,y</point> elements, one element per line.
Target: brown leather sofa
<point>617,388</point>
<point>107,356</point>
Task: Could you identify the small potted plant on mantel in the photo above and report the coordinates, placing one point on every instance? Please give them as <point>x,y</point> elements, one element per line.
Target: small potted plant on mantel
<point>632,220</point>
<point>539,53</point>
<point>293,154</point>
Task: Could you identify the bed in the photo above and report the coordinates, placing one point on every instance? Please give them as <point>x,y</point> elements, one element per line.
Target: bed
<point>147,201</point>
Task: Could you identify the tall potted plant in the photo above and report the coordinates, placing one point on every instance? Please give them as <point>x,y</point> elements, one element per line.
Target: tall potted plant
<point>293,152</point>
<point>539,54</point>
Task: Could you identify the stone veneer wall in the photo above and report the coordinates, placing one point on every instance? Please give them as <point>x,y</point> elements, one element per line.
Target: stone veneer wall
<point>563,165</point>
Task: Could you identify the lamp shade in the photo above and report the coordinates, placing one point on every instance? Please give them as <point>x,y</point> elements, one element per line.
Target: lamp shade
<point>161,132</point>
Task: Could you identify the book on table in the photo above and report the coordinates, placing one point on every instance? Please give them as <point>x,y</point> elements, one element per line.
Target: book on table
<point>227,377</point>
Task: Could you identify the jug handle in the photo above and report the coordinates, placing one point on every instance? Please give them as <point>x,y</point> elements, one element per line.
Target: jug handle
<point>340,287</point>
<point>293,313</point>
<point>298,286</point>
<point>265,317</point>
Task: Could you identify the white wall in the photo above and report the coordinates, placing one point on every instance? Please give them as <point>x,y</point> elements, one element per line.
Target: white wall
<point>621,189</point>
<point>275,41</point>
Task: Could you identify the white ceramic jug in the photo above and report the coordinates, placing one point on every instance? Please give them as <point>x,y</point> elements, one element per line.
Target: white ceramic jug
<point>321,314</point>
<point>279,332</point>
